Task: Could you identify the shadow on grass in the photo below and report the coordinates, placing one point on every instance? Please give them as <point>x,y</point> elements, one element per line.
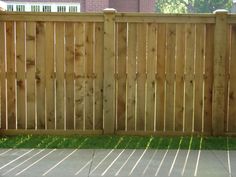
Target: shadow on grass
<point>118,142</point>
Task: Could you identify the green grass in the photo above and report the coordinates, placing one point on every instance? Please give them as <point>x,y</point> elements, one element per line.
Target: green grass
<point>118,142</point>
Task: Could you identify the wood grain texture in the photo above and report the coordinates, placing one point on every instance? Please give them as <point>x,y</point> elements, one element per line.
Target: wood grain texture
<point>40,74</point>
<point>141,73</point>
<point>99,43</point>
<point>151,71</point>
<point>31,69</point>
<point>161,62</point>
<point>20,81</point>
<point>180,65</point>
<point>189,79</point>
<point>89,90</point>
<point>131,77</point>
<point>79,73</point>
<point>122,53</point>
<point>60,77</point>
<point>11,76</point>
<point>3,74</point>
<point>69,61</point>
<point>170,76</point>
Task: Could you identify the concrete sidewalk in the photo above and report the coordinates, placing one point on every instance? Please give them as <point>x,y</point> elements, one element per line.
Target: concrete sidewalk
<point>107,163</point>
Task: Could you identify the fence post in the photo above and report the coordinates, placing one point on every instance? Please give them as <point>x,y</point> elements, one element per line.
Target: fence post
<point>220,47</point>
<point>109,71</point>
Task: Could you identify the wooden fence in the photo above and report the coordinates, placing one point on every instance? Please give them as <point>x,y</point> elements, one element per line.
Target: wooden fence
<point>122,73</point>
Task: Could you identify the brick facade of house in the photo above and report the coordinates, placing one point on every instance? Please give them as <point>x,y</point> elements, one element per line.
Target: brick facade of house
<point>99,5</point>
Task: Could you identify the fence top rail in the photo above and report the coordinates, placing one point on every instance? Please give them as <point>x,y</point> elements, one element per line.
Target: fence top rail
<point>164,18</point>
<point>232,19</point>
<point>56,17</point>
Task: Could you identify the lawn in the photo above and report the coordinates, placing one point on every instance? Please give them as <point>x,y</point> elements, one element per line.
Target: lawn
<point>118,142</point>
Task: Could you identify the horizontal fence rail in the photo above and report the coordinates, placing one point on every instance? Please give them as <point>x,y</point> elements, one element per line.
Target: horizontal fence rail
<point>118,73</point>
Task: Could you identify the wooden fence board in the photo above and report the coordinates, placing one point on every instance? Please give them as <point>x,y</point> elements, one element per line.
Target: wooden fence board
<point>89,90</point>
<point>69,60</point>
<point>170,76</point>
<point>198,105</point>
<point>31,69</point>
<point>60,79</point>
<point>141,74</point>
<point>189,79</point>
<point>151,71</point>
<point>131,77</point>
<point>232,93</point>
<point>20,68</point>
<point>99,43</point>
<point>2,74</point>
<point>209,55</point>
<point>11,90</point>
<point>161,55</point>
<point>180,65</point>
<point>50,99</point>
<point>122,52</point>
<point>79,73</point>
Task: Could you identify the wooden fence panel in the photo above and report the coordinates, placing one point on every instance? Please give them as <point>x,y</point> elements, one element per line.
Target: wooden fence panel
<point>170,76</point>
<point>20,68</point>
<point>49,79</point>
<point>31,70</point>
<point>189,79</point>
<point>89,68</point>
<point>99,43</point>
<point>209,56</point>
<point>69,61</point>
<point>141,75</point>
<point>180,65</point>
<point>131,76</point>
<point>199,60</point>
<point>40,73</point>
<point>79,73</point>
<point>11,75</point>
<point>121,96</point>
<point>232,93</point>
<point>161,62</point>
<point>3,74</point>
<point>60,77</point>
<point>151,71</point>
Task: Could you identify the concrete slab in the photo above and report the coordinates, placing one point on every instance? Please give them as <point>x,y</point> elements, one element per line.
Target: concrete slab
<point>120,163</point>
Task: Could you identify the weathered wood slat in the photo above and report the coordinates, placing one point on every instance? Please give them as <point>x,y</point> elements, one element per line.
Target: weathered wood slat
<point>151,68</point>
<point>199,61</point>
<point>121,99</point>
<point>79,71</point>
<point>99,43</point>
<point>209,55</point>
<point>2,74</point>
<point>11,90</point>
<point>69,61</point>
<point>89,90</point>
<point>141,71</point>
<point>31,69</point>
<point>20,68</point>
<point>189,79</point>
<point>161,55</point>
<point>180,65</point>
<point>40,73</point>
<point>60,79</point>
<point>50,88</point>
<point>170,76</point>
<point>232,93</point>
<point>131,77</point>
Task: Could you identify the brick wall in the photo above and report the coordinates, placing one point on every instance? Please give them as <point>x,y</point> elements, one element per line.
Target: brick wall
<point>147,6</point>
<point>125,5</point>
<point>96,5</point>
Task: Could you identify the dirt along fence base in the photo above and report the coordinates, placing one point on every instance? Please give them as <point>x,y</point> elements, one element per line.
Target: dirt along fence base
<point>118,73</point>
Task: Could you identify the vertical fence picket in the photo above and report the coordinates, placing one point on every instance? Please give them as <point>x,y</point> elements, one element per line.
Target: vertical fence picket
<point>20,66</point>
